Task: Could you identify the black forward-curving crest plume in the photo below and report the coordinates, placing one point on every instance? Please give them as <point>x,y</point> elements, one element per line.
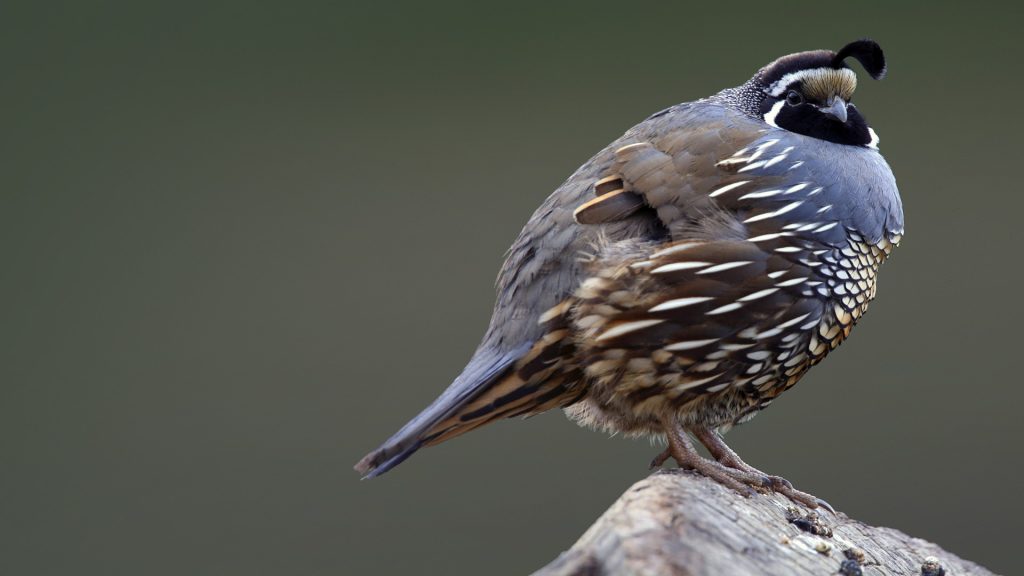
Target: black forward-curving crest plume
<point>867,52</point>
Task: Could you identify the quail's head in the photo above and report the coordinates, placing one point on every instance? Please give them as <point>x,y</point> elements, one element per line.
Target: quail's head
<point>811,93</point>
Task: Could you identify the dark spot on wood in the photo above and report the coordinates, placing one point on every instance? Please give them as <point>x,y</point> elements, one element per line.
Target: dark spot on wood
<point>850,568</point>
<point>810,523</point>
<point>854,554</point>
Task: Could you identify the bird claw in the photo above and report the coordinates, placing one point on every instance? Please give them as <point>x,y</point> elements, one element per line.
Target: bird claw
<point>825,505</point>
<point>808,500</point>
<point>778,483</point>
<point>660,459</point>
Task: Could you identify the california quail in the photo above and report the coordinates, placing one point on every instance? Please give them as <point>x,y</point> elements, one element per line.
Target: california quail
<point>690,272</point>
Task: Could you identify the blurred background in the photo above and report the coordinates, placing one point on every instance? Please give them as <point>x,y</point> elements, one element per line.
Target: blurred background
<point>243,243</point>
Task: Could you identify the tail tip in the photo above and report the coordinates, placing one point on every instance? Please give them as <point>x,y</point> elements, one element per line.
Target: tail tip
<point>383,459</point>
<point>367,466</point>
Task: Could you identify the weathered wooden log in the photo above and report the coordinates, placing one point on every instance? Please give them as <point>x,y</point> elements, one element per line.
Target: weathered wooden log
<point>680,523</point>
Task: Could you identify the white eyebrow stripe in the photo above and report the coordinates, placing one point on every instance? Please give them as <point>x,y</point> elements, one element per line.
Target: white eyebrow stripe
<point>780,85</point>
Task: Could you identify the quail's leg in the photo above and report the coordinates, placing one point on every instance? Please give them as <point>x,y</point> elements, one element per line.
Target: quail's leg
<point>683,452</point>
<point>726,456</point>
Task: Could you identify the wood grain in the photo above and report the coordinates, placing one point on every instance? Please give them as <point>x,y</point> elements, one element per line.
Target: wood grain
<point>680,523</point>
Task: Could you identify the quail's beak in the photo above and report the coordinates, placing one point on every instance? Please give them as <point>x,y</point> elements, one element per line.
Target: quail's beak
<point>836,108</point>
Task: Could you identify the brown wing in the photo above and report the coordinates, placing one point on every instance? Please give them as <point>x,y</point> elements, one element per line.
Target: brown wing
<point>696,317</point>
<point>728,300</point>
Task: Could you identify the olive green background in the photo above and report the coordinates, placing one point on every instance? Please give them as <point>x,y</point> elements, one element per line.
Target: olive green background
<point>242,243</point>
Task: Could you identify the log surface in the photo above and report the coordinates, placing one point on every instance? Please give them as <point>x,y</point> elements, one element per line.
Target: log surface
<point>680,523</point>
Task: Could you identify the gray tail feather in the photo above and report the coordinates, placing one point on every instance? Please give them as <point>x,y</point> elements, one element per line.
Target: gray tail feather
<point>486,366</point>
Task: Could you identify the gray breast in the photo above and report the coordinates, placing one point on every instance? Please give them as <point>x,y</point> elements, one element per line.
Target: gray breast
<point>815,181</point>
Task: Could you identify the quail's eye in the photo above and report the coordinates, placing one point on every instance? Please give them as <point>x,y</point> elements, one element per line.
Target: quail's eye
<point>794,98</point>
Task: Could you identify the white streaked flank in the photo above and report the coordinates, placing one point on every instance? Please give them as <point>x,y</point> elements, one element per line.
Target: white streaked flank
<point>759,294</point>
<point>775,160</point>
<point>674,249</point>
<point>679,303</point>
<point>724,309</point>
<point>766,237</point>
<point>689,344</point>
<point>779,212</point>
<point>627,327</point>
<point>728,187</point>
<point>734,347</point>
<point>677,266</point>
<point>761,194</point>
<point>789,323</point>
<point>768,334</point>
<point>718,387</point>
<point>725,266</point>
<point>693,383</point>
<point>757,164</point>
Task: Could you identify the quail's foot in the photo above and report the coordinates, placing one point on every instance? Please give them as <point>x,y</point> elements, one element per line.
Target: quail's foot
<point>726,456</point>
<point>728,468</point>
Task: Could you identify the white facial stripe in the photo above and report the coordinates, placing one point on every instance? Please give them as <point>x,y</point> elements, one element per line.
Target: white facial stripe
<point>874,139</point>
<point>769,116</point>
